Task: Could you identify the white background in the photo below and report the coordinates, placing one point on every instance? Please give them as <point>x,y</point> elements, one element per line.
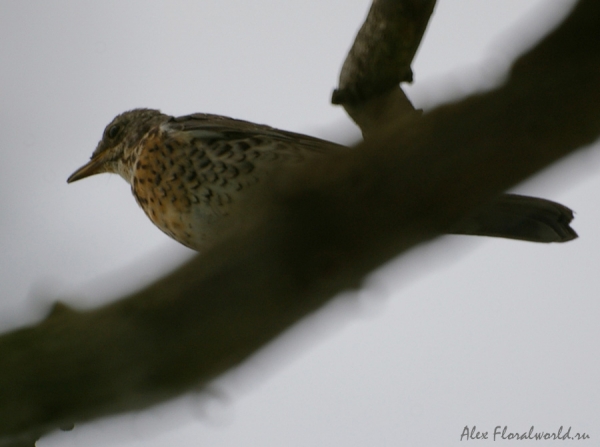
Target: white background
<point>464,331</point>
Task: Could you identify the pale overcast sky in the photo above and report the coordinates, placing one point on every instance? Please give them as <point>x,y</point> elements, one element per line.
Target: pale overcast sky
<point>462,332</point>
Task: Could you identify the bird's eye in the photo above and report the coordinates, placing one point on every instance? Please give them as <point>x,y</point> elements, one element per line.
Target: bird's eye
<point>113,131</point>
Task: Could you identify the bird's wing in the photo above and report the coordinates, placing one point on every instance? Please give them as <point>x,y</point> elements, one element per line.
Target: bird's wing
<point>210,127</point>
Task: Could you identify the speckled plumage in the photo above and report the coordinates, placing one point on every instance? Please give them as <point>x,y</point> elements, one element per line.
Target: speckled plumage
<point>185,172</point>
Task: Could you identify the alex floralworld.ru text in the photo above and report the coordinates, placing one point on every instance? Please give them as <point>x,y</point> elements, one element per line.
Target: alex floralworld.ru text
<point>504,434</point>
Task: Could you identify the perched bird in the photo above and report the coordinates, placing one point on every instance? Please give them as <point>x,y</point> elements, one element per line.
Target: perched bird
<point>185,173</point>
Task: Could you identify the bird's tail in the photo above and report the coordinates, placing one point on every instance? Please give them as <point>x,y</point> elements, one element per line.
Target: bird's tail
<point>520,217</point>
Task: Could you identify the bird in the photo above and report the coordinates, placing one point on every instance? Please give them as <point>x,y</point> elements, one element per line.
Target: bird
<point>186,173</point>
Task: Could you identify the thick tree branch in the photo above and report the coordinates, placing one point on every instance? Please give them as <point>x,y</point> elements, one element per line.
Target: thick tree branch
<point>317,232</point>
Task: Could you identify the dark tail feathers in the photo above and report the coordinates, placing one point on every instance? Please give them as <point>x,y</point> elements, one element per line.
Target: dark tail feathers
<point>520,217</point>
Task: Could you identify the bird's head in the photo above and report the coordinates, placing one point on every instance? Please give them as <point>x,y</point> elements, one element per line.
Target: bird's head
<point>115,152</point>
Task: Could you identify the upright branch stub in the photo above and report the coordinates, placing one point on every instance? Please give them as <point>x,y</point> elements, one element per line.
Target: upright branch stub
<point>380,60</point>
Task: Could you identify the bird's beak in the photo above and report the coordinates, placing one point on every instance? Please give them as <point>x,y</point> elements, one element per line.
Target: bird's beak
<point>96,165</point>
